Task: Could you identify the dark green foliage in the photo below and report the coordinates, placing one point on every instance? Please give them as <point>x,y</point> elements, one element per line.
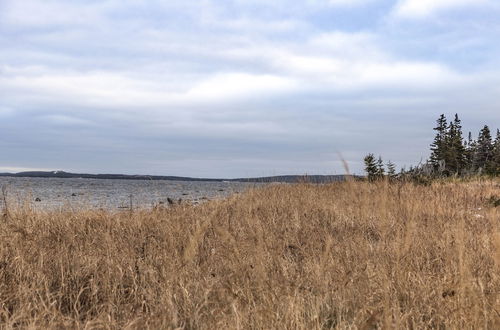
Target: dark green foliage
<point>371,167</point>
<point>380,168</point>
<point>470,147</point>
<point>450,155</point>
<point>483,155</point>
<point>375,169</point>
<point>391,170</point>
<point>438,146</point>
<point>496,154</point>
<point>454,154</point>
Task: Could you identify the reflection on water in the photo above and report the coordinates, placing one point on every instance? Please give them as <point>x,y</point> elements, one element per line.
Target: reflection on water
<point>55,193</point>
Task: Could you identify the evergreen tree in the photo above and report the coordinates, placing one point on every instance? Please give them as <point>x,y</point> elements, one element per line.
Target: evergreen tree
<point>496,154</point>
<point>454,153</point>
<point>391,170</point>
<point>470,150</point>
<point>380,168</point>
<point>438,146</point>
<point>484,151</point>
<point>370,167</point>
<point>450,154</point>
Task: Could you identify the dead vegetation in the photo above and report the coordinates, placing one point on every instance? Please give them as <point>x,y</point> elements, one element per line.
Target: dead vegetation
<point>345,255</point>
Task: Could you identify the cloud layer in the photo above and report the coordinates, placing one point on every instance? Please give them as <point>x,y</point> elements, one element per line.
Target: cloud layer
<point>425,8</point>
<point>237,88</point>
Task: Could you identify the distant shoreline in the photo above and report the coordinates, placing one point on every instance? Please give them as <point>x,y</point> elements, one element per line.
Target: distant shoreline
<point>269,179</point>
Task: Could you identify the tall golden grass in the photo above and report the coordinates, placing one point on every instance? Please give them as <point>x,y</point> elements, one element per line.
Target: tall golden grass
<point>344,255</point>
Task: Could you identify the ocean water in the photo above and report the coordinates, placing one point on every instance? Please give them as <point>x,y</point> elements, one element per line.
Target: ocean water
<point>56,193</point>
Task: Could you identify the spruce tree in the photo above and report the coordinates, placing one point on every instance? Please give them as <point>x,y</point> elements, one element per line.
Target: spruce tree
<point>391,170</point>
<point>470,150</point>
<point>484,152</point>
<point>370,167</point>
<point>496,154</point>
<point>438,146</point>
<point>380,168</point>
<point>454,154</point>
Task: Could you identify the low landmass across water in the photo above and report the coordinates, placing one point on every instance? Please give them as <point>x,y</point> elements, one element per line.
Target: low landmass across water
<point>277,178</point>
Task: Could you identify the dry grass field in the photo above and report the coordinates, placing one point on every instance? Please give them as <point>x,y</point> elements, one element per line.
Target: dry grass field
<point>347,255</point>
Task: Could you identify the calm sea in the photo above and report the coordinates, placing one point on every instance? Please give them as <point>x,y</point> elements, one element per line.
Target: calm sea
<point>55,193</point>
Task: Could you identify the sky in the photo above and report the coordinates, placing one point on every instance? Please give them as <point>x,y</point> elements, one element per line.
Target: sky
<point>219,88</point>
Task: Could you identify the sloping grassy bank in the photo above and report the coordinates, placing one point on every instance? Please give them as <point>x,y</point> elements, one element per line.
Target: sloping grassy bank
<point>350,254</point>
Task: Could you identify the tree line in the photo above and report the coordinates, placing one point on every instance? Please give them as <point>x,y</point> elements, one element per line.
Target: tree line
<point>451,154</point>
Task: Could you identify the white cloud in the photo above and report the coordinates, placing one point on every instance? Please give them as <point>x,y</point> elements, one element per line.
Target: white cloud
<point>213,69</point>
<point>414,75</point>
<point>340,61</point>
<point>254,25</point>
<point>114,89</point>
<point>47,13</point>
<point>304,3</point>
<point>349,3</point>
<point>227,87</point>
<point>353,44</point>
<point>424,8</point>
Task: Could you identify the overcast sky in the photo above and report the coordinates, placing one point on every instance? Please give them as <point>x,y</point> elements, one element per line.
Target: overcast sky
<point>220,88</point>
